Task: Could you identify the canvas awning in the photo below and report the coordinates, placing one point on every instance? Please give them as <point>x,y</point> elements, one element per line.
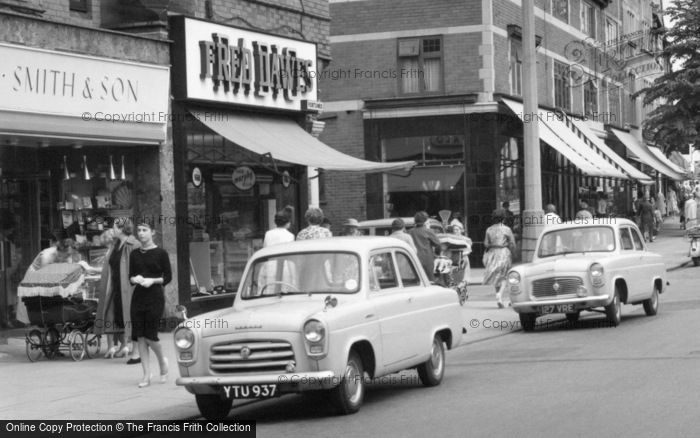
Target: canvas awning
<point>556,134</point>
<point>643,154</point>
<point>619,161</point>
<point>660,155</point>
<point>283,139</point>
<point>426,179</point>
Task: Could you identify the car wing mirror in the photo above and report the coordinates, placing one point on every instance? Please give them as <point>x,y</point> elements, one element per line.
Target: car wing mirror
<point>330,301</point>
<point>182,310</point>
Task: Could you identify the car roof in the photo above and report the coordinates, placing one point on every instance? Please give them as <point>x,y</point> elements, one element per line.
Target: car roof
<point>386,222</point>
<point>357,244</point>
<point>587,222</point>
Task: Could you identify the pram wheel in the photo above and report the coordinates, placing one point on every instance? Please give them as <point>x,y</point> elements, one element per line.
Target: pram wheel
<point>463,296</point>
<point>76,345</point>
<point>51,341</point>
<point>33,345</point>
<point>93,342</point>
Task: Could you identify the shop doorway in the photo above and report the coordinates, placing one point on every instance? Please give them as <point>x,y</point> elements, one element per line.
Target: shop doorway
<point>27,223</point>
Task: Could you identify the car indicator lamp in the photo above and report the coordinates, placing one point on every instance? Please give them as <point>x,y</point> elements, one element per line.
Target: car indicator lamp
<point>314,331</point>
<point>184,338</point>
<point>581,291</point>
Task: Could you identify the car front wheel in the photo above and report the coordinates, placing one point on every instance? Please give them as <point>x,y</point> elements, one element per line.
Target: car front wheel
<point>432,370</point>
<point>213,407</point>
<point>651,306</point>
<point>613,311</point>
<point>348,395</point>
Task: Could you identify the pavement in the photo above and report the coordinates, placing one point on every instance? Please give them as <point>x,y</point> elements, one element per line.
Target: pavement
<point>106,389</point>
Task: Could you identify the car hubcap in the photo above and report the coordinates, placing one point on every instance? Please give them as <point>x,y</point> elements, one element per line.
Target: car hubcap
<point>353,386</point>
<point>436,359</point>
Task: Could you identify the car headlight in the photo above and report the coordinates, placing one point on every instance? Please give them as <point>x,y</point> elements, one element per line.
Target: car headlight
<point>596,270</point>
<point>513,278</point>
<point>314,331</point>
<point>184,338</point>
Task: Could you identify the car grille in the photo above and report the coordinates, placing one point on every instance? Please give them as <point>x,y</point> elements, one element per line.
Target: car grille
<point>251,356</point>
<point>544,288</point>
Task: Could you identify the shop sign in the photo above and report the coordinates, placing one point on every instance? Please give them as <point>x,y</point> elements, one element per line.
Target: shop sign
<point>84,87</point>
<point>196,177</point>
<point>243,178</point>
<point>238,66</point>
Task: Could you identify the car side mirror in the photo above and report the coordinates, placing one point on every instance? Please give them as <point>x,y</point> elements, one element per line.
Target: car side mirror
<point>330,302</point>
<point>182,310</point>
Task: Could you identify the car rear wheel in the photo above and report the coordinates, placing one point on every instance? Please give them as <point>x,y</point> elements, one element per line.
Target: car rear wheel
<point>432,370</point>
<point>213,407</point>
<point>613,311</point>
<point>527,321</point>
<point>651,306</point>
<point>350,393</point>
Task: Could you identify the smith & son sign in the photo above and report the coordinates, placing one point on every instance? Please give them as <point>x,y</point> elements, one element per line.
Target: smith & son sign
<point>227,64</point>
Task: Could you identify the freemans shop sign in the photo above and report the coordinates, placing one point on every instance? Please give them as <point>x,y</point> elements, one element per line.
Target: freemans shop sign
<point>238,66</point>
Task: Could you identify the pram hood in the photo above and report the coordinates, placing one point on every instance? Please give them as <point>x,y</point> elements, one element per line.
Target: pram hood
<point>62,279</point>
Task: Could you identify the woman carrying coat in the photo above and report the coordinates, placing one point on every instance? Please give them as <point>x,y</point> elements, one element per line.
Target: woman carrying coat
<point>115,292</point>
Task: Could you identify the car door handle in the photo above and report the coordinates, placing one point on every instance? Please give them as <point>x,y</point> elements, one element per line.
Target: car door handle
<point>410,299</point>
<point>369,315</point>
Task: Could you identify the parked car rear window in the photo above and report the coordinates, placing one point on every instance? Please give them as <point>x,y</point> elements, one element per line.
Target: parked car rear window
<point>575,240</point>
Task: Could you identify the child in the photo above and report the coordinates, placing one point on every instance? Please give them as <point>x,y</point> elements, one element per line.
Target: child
<point>658,221</point>
<point>443,266</point>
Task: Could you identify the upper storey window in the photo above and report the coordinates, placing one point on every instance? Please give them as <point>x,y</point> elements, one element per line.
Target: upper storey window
<point>420,65</point>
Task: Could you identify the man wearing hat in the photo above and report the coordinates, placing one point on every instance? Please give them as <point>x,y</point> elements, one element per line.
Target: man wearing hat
<point>350,228</point>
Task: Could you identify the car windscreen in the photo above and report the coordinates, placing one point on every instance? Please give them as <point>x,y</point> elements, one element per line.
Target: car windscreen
<point>303,273</point>
<point>576,240</point>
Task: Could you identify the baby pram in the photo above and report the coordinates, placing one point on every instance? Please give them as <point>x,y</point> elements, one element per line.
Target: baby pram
<point>58,302</point>
<point>452,266</point>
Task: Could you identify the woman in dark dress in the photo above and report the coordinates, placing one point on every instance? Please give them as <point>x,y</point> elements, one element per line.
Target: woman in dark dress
<point>149,270</point>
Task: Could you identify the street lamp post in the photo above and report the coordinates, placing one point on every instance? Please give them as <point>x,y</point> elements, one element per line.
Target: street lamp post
<point>532,213</point>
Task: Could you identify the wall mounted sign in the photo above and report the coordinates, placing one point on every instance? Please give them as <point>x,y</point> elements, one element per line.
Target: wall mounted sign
<point>243,178</point>
<point>196,177</point>
<point>232,65</point>
<point>286,179</point>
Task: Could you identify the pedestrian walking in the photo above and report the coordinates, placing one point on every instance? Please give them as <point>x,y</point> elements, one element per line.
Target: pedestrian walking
<point>314,230</point>
<point>645,213</point>
<point>426,243</point>
<point>281,233</point>
<point>498,242</point>
<point>672,202</point>
<point>398,230</point>
<point>509,218</point>
<point>115,293</point>
<point>661,203</point>
<point>149,271</point>
<point>550,215</point>
<point>690,212</point>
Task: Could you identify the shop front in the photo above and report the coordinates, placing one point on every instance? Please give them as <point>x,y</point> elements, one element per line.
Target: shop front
<point>244,148</point>
<point>79,146</point>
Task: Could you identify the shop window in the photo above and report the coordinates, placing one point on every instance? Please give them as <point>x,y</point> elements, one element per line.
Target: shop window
<point>516,68</point>
<point>560,9</point>
<point>588,19</point>
<point>590,97</point>
<point>420,65</point>
<point>562,86</point>
<point>79,5</point>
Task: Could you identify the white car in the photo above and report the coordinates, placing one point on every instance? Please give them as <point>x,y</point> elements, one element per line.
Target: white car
<point>587,265</point>
<point>319,315</point>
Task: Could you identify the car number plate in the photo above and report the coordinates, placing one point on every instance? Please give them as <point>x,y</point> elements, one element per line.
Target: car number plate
<point>557,308</point>
<point>250,391</point>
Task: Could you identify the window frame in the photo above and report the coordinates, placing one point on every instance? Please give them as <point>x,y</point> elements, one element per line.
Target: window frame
<point>515,63</point>
<point>383,253</point>
<point>567,83</point>
<point>558,17</point>
<point>631,240</point>
<point>79,6</point>
<point>421,56</point>
<point>639,238</point>
<point>590,83</point>
<point>588,19</point>
<point>413,267</point>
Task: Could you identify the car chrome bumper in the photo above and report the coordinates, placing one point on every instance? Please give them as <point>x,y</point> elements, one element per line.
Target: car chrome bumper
<point>583,302</point>
<point>317,378</point>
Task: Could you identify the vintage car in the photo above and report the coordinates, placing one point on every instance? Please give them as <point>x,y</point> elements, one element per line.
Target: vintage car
<point>587,264</point>
<point>382,227</point>
<point>319,315</point>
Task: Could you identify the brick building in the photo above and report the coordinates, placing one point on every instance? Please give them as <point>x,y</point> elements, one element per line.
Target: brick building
<point>441,83</point>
